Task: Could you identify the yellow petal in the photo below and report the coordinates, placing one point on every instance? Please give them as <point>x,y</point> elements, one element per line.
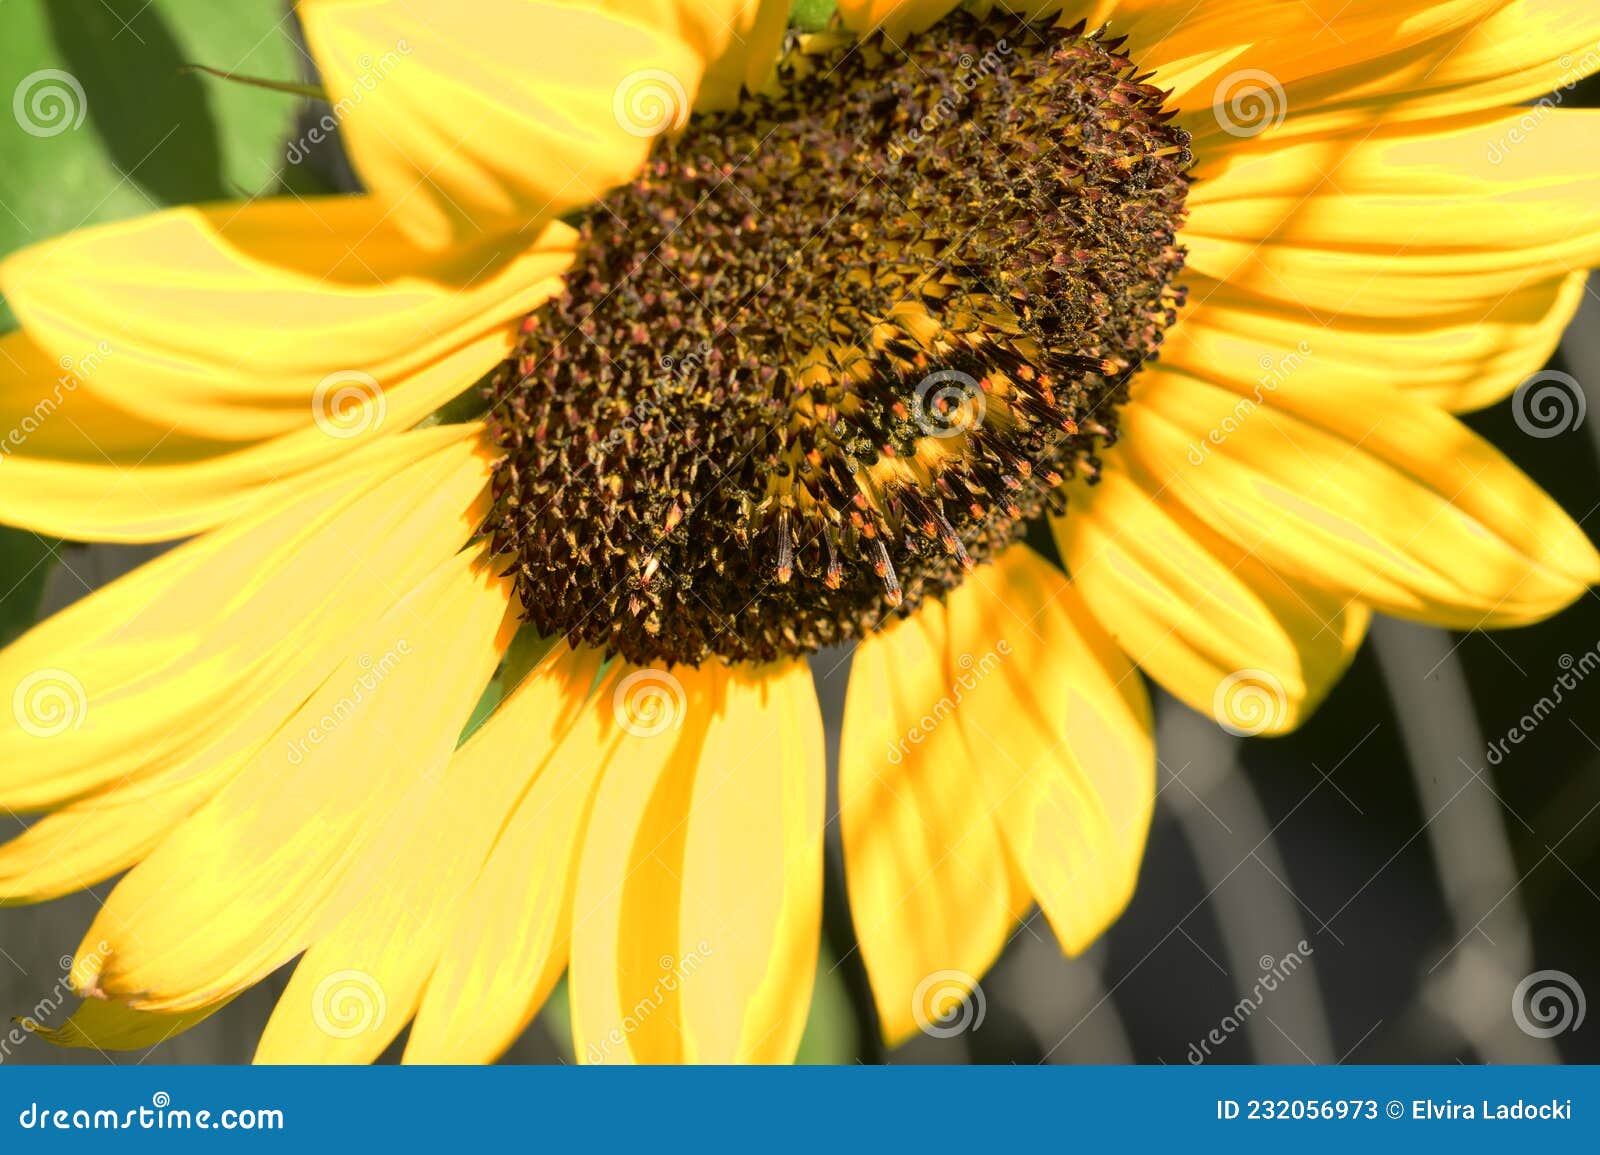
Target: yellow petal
<point>931,892</point>
<point>1195,611</point>
<point>353,991</point>
<point>240,323</point>
<point>1459,359</point>
<point>1057,727</point>
<point>91,840</point>
<point>471,121</point>
<point>1432,61</point>
<point>1526,50</point>
<point>751,901</point>
<point>82,468</point>
<point>1407,218</point>
<point>1365,491</point>
<point>699,888</point>
<point>895,19</point>
<point>204,652</point>
<point>307,828</point>
<point>105,1025</point>
<point>503,942</point>
<point>739,41</point>
<point>625,893</point>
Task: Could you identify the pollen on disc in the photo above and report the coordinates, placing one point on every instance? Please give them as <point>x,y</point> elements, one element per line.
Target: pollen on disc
<point>831,350</point>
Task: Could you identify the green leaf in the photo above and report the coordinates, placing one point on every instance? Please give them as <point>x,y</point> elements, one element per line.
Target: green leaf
<point>830,1035</point>
<point>556,1018</point>
<point>103,122</point>
<point>25,563</point>
<point>812,15</point>
<point>488,702</point>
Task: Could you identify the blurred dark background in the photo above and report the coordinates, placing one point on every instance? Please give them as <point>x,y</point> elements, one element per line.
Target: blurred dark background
<point>1426,883</point>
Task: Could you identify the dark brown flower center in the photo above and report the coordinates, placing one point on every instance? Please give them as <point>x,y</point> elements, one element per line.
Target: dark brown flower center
<point>834,348</point>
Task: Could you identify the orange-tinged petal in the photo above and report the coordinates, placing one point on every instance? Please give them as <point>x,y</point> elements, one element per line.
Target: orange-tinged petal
<point>1386,64</point>
<point>895,19</point>
<point>239,323</point>
<point>1240,69</point>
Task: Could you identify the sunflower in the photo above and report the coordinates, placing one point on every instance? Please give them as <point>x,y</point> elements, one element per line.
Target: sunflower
<point>864,351</point>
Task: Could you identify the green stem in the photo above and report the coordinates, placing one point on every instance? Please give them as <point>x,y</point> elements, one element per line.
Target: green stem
<point>310,91</point>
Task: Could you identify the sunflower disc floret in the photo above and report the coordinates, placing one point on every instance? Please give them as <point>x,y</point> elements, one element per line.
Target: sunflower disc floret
<point>832,349</point>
